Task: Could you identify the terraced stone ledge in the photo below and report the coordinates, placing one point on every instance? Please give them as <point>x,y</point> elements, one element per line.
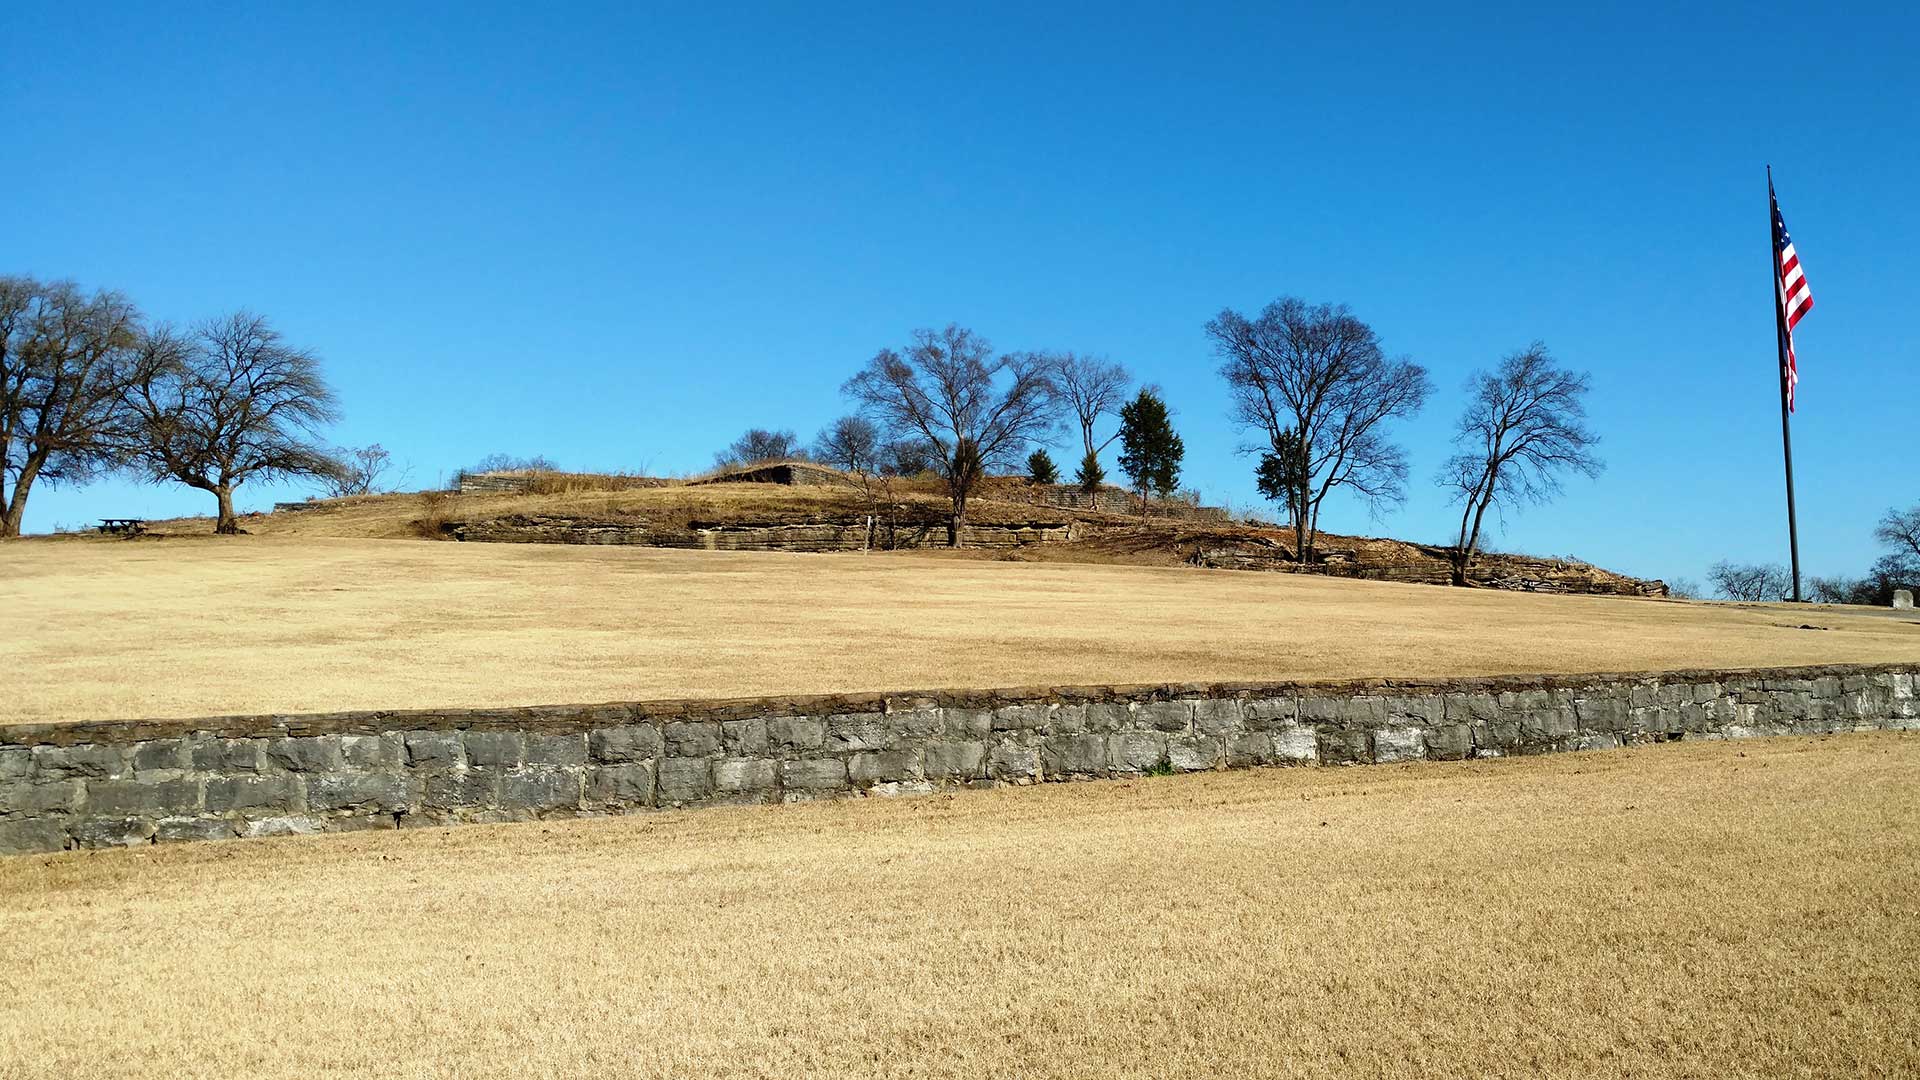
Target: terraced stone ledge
<point>107,783</point>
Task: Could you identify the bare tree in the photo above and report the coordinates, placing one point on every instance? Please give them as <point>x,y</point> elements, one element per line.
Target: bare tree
<point>229,403</point>
<point>1750,581</point>
<point>65,360</point>
<point>1523,427</point>
<point>851,443</point>
<point>1318,372</point>
<point>949,391</point>
<point>759,444</point>
<point>361,470</point>
<point>1090,387</point>
<point>1900,530</point>
<point>513,463</point>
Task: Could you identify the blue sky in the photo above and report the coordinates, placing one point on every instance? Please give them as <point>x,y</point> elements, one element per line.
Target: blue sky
<point>617,236</point>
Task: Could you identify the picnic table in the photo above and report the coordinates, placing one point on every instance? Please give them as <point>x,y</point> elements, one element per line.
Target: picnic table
<point>124,526</point>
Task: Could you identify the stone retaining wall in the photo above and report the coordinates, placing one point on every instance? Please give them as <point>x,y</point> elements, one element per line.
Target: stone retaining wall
<point>854,534</point>
<point>97,784</point>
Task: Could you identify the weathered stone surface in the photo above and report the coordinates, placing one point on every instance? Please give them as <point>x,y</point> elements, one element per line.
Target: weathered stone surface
<point>628,785</point>
<point>824,774</point>
<point>494,749</point>
<point>618,745</point>
<point>317,753</point>
<point>556,750</point>
<point>16,764</point>
<point>1106,717</point>
<point>90,762</point>
<point>1296,744</point>
<point>1066,718</point>
<point>1450,742</point>
<point>40,796</point>
<point>457,789</point>
<point>745,738</point>
<point>1022,717</point>
<point>1074,755</point>
<point>373,751</point>
<point>243,793</point>
<point>1420,711</point>
<point>1194,753</point>
<point>794,734</point>
<point>1266,714</point>
<point>383,792</point>
<point>287,825</point>
<point>1164,715</point>
<point>143,798</point>
<point>539,787</point>
<point>1249,749</point>
<point>1398,744</point>
<point>692,738</point>
<point>956,760</point>
<point>887,766</point>
<point>175,830</point>
<point>162,755</point>
<point>209,754</point>
<point>1136,751</point>
<point>1217,717</point>
<point>1008,761</point>
<point>1343,710</point>
<point>746,776</point>
<point>435,749</point>
<point>99,832</point>
<point>914,726</point>
<point>1345,746</point>
<point>857,731</point>
<point>683,780</point>
<point>25,836</point>
<point>1601,712</point>
<point>967,723</point>
<point>1903,599</point>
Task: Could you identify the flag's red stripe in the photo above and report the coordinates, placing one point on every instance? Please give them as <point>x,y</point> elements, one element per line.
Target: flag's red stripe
<point>1792,260</point>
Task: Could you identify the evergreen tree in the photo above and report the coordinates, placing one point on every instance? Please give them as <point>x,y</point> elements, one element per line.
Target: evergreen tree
<point>1040,468</point>
<point>1150,452</point>
<point>1091,475</point>
<point>1278,474</point>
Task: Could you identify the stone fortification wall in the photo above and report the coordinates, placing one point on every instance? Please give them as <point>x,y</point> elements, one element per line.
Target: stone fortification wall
<point>856,534</point>
<point>136,782</point>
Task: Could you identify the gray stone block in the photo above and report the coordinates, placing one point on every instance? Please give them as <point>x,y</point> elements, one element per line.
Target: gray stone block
<point>103,832</point>
<point>26,836</point>
<point>1066,719</point>
<point>823,774</point>
<point>373,751</point>
<point>227,755</point>
<point>617,745</point>
<point>1218,717</point>
<point>1136,751</point>
<point>1266,714</point>
<point>461,789</point>
<point>384,792</point>
<point>1398,744</point>
<point>684,780</point>
<point>887,766</point>
<point>956,760</point>
<point>693,738</point>
<point>1173,716</point>
<point>313,753</point>
<point>1249,749</point>
<point>626,785</point>
<point>914,726</point>
<point>1421,711</point>
<point>857,731</point>
<point>1450,742</point>
<point>1356,711</point>
<point>556,750</point>
<point>1473,708</point>
<point>176,830</point>
<point>435,749</point>
<point>40,796</point>
<point>1195,753</point>
<point>1021,717</point>
<point>794,734</point>
<point>90,762</point>
<point>539,787</point>
<point>1903,599</point>
<point>746,776</point>
<point>494,749</point>
<point>1602,713</point>
<point>162,755</point>
<point>1074,755</point>
<point>143,798</point>
<point>1009,761</point>
<point>278,794</point>
<point>1107,717</point>
<point>1296,744</point>
<point>744,738</point>
<point>16,764</point>
<point>1344,746</point>
<point>284,825</point>
<point>967,723</point>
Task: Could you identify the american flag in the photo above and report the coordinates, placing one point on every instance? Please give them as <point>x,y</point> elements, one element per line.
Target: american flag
<point>1795,298</point>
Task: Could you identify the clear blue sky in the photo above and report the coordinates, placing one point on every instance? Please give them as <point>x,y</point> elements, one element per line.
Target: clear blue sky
<point>617,237</point>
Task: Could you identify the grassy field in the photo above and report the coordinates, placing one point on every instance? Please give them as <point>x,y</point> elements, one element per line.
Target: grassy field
<point>1703,910</point>
<point>208,626</point>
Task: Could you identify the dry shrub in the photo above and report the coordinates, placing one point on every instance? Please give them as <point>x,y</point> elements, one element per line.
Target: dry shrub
<point>561,483</point>
<point>434,508</point>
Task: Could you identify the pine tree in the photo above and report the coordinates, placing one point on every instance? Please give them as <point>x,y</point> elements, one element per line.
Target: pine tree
<point>1150,452</point>
<point>1091,475</point>
<point>1040,468</point>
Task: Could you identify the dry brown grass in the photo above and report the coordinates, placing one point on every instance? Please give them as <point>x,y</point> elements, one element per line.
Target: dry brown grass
<point>201,626</point>
<point>1697,910</point>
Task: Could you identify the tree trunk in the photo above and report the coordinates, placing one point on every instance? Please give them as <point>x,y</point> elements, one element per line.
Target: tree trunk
<point>226,525</point>
<point>957,526</point>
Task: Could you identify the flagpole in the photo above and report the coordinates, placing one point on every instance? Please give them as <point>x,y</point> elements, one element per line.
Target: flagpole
<point>1780,347</point>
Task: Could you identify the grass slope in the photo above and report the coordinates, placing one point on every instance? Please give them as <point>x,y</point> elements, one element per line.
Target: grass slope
<point>203,626</point>
<point>1692,910</point>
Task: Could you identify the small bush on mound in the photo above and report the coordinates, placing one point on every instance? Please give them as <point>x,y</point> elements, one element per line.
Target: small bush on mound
<point>432,522</point>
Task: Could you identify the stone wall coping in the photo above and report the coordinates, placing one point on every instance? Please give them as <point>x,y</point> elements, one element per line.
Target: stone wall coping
<point>571,719</point>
